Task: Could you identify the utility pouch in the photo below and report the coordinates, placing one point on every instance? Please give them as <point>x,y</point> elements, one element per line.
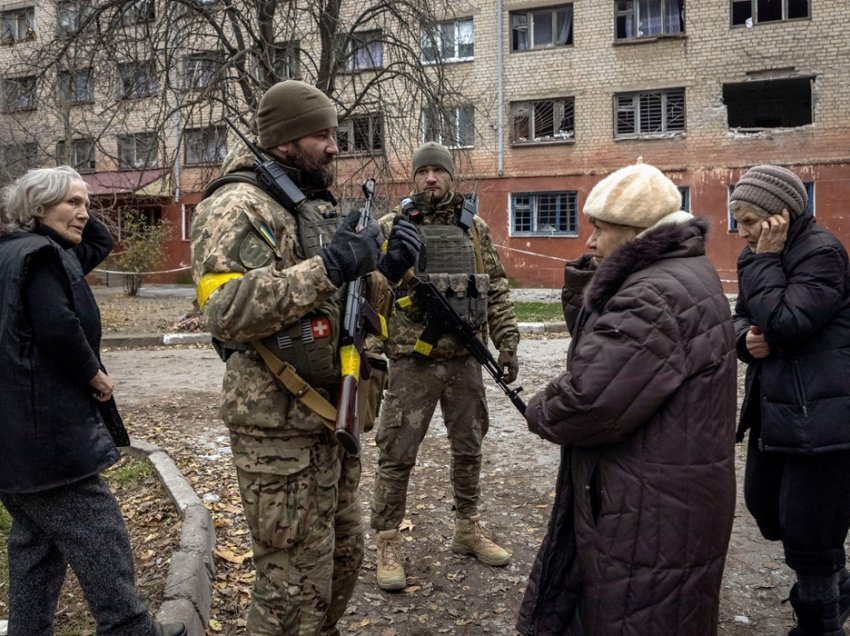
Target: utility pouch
<point>370,394</point>
<point>466,294</point>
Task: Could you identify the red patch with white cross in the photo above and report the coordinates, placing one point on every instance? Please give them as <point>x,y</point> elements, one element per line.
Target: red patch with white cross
<point>321,327</point>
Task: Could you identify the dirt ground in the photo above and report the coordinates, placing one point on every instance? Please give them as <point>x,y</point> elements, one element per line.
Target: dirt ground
<point>169,396</point>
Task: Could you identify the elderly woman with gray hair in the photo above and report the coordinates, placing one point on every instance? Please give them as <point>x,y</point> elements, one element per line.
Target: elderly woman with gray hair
<point>792,323</point>
<point>55,400</point>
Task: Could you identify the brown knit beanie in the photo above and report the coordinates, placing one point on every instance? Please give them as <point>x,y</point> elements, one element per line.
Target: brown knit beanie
<point>293,109</point>
<point>772,188</point>
<point>433,154</point>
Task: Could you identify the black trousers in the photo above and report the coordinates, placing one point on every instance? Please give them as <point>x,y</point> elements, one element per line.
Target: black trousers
<point>78,525</point>
<point>803,501</point>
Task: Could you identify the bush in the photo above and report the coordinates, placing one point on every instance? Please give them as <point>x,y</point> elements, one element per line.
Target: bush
<point>143,249</point>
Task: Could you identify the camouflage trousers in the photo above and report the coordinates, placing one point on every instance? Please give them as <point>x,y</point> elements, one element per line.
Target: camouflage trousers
<point>415,388</point>
<point>300,501</point>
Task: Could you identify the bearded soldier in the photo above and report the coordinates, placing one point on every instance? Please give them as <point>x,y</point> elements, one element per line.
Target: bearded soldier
<point>458,249</point>
<point>269,281</point>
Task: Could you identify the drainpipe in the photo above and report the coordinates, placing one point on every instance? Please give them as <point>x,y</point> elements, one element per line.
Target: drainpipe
<point>500,92</point>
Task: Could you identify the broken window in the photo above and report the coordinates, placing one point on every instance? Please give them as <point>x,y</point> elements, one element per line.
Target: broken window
<point>649,112</point>
<point>542,28</point>
<point>649,18</point>
<point>750,12</point>
<point>542,120</point>
<point>778,103</point>
<point>544,213</point>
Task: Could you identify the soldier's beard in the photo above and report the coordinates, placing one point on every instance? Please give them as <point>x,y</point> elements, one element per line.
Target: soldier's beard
<point>316,174</point>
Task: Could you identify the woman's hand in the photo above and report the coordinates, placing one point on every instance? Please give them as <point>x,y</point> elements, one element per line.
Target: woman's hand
<point>774,232</point>
<point>757,344</point>
<point>103,386</point>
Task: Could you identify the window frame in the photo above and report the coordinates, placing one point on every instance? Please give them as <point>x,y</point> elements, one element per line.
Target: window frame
<point>24,23</point>
<point>348,126</point>
<point>28,93</point>
<point>364,41</point>
<point>151,160</point>
<point>434,39</point>
<point>685,192</point>
<point>138,12</point>
<point>564,104</point>
<point>130,78</point>
<point>450,120</point>
<point>76,162</point>
<point>571,201</point>
<point>66,95</point>
<point>73,12</point>
<point>187,212</point>
<point>753,14</point>
<point>761,106</point>
<point>206,64</point>
<point>634,13</point>
<point>637,107</point>
<point>28,158</point>
<point>219,140</point>
<point>529,27</point>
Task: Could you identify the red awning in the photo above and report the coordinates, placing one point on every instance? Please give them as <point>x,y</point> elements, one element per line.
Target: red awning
<point>122,181</point>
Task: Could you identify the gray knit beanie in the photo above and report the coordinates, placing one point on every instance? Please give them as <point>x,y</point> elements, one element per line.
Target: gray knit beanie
<point>772,188</point>
<point>293,109</point>
<point>433,154</point>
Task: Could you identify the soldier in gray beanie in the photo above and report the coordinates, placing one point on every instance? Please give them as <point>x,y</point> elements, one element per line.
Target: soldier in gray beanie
<point>792,327</point>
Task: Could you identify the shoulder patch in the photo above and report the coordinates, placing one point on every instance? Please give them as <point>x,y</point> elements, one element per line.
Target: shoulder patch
<point>254,252</point>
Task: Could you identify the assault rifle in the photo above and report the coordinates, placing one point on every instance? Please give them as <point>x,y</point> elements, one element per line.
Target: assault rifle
<point>360,320</point>
<point>271,175</point>
<point>441,317</point>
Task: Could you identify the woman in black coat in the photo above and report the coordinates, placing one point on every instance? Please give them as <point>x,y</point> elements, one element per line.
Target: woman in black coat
<point>792,326</point>
<point>54,396</point>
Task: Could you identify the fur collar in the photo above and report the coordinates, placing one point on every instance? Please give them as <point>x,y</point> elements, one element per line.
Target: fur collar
<point>666,241</point>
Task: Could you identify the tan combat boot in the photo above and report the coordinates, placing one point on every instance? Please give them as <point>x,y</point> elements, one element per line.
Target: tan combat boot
<point>390,571</point>
<point>469,538</point>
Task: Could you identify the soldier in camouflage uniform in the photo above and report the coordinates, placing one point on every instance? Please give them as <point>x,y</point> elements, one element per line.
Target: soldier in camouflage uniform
<point>450,376</point>
<point>255,278</point>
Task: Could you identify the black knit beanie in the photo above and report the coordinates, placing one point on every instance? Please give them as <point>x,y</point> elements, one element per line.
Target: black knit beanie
<point>772,188</point>
<point>293,109</point>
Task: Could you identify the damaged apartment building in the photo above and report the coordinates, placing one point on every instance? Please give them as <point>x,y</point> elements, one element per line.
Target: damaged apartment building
<point>551,97</point>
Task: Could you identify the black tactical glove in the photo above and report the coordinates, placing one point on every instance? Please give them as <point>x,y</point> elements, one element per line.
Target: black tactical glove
<point>352,254</point>
<point>509,364</point>
<point>403,247</point>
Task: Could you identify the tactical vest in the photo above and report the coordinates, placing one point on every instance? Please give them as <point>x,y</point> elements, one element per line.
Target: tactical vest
<point>310,344</point>
<point>450,263</point>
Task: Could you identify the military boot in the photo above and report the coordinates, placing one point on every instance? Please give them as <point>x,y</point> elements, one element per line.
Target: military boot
<point>169,629</point>
<point>815,618</point>
<point>469,538</point>
<point>390,570</point>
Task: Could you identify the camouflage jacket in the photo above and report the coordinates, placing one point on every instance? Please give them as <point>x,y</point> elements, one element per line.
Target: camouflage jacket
<point>405,327</point>
<point>248,292</point>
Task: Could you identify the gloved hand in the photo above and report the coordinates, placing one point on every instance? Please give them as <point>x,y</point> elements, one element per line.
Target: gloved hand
<point>509,363</point>
<point>403,247</point>
<point>352,254</point>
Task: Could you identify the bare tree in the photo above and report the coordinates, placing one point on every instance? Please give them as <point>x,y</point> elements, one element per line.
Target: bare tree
<point>143,82</point>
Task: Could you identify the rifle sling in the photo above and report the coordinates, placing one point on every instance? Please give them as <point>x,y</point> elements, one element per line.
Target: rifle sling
<point>300,389</point>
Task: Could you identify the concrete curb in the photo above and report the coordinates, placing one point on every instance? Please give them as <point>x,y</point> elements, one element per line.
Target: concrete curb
<point>188,587</point>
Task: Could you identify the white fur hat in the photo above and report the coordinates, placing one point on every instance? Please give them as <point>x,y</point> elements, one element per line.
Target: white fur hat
<point>638,196</point>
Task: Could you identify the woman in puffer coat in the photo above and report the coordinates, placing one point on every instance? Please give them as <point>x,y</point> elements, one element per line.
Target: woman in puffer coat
<point>792,324</point>
<point>646,417</point>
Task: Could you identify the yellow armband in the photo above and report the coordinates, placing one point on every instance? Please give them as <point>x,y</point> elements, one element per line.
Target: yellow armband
<point>209,283</point>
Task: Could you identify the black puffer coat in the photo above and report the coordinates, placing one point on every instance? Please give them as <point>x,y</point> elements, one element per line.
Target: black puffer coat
<point>800,299</point>
<point>646,415</point>
<point>51,430</point>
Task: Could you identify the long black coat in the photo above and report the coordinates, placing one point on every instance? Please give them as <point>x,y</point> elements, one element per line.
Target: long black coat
<point>51,430</point>
<point>646,417</point>
<point>800,299</point>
